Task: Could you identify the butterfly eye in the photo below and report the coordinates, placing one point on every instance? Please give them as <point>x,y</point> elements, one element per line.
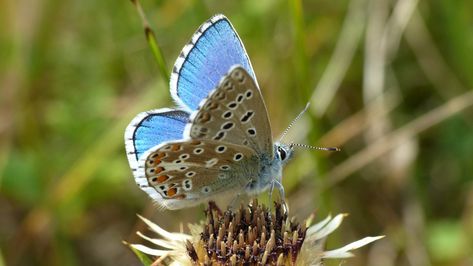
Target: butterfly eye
<point>282,153</point>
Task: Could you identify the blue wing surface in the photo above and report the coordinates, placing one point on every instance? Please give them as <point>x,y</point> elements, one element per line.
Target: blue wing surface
<point>212,51</point>
<point>151,128</point>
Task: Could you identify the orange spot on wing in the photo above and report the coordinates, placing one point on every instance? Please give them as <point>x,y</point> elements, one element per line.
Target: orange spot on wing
<point>162,178</point>
<point>196,142</point>
<point>220,95</point>
<point>175,147</point>
<point>172,192</point>
<point>159,169</point>
<point>204,117</point>
<point>211,105</point>
<point>161,155</point>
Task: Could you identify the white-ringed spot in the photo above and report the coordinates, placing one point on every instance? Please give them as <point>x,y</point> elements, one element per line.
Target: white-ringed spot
<point>239,98</point>
<point>222,176</point>
<point>227,115</point>
<point>232,105</point>
<point>198,150</point>
<point>183,168</point>
<point>184,156</point>
<point>150,163</point>
<point>227,126</point>
<point>220,135</point>
<point>190,174</point>
<point>247,116</point>
<point>210,163</point>
<point>206,189</point>
<point>238,157</point>
<point>224,167</point>
<point>252,131</point>
<point>221,149</point>
<point>249,94</point>
<point>187,184</point>
<point>150,171</point>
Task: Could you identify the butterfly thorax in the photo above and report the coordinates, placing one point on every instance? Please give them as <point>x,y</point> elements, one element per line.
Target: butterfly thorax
<point>270,169</point>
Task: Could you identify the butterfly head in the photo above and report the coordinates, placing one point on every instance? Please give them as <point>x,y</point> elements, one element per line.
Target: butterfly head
<point>283,152</point>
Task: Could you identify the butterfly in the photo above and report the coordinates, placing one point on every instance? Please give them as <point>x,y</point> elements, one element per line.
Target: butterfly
<point>218,142</point>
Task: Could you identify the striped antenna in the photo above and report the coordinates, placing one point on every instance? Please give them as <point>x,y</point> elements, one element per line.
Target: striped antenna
<point>314,148</point>
<point>293,121</point>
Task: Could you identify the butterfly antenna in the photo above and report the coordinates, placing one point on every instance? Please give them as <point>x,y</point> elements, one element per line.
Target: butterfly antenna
<point>293,122</point>
<point>315,148</point>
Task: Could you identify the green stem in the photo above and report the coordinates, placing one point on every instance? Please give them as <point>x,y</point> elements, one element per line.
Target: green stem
<point>152,41</point>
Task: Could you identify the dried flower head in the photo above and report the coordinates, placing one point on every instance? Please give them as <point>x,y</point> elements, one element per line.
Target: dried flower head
<point>251,235</point>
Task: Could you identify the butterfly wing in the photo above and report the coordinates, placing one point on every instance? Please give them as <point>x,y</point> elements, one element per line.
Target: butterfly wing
<point>151,128</point>
<point>234,112</point>
<point>184,173</point>
<point>213,49</point>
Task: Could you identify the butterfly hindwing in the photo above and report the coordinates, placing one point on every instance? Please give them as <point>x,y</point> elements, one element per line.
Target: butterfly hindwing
<point>187,172</point>
<point>213,49</point>
<point>151,128</point>
<point>234,112</point>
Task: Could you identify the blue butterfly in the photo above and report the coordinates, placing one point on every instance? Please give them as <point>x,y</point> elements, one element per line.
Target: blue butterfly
<point>219,142</point>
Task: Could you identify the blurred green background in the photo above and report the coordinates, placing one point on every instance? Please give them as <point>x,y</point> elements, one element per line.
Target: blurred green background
<point>389,82</point>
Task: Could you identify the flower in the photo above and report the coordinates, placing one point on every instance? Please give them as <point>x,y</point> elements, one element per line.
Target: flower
<point>253,235</point>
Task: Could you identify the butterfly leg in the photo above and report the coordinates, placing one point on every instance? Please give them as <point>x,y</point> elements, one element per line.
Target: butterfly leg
<point>282,194</point>
<point>270,192</point>
<point>279,186</point>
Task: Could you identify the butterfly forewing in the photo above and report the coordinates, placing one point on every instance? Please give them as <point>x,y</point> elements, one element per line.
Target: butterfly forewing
<point>188,172</point>
<point>212,50</point>
<point>234,112</point>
